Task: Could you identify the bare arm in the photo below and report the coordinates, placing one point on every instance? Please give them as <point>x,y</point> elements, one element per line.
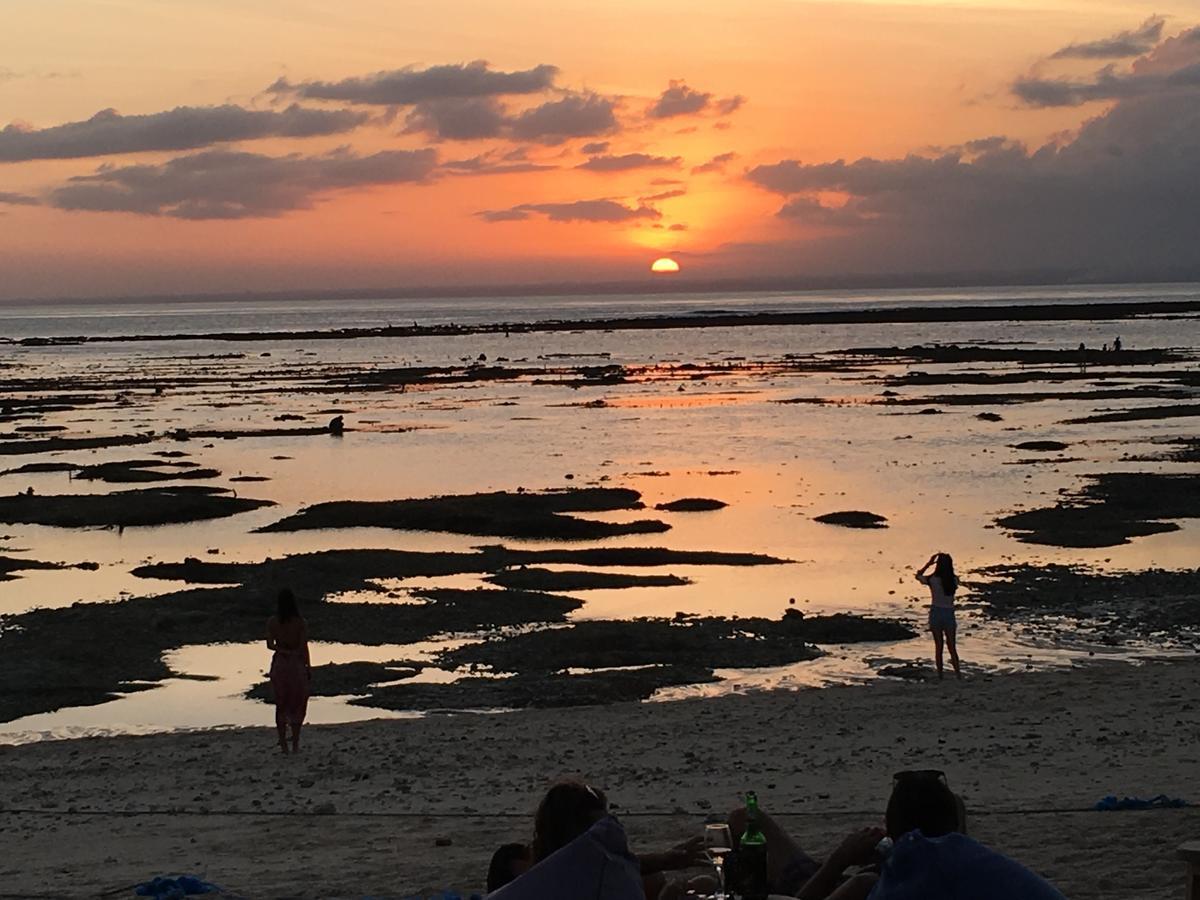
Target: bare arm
<point>683,856</point>
<point>272,643</point>
<point>856,849</point>
<point>857,888</point>
<point>304,645</point>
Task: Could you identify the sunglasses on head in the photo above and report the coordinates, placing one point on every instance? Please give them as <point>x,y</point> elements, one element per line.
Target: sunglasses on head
<point>910,775</point>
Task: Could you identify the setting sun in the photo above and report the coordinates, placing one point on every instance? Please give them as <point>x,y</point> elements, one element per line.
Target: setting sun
<point>664,265</point>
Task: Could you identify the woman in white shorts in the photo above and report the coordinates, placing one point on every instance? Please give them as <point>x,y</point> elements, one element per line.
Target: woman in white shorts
<point>942,584</point>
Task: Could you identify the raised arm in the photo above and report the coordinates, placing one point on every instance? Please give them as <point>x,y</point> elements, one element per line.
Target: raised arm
<point>920,575</point>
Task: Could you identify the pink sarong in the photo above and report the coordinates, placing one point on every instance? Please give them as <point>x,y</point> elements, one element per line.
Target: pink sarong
<point>289,682</point>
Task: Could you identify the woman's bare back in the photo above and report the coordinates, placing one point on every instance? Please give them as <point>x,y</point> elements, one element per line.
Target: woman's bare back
<point>288,637</point>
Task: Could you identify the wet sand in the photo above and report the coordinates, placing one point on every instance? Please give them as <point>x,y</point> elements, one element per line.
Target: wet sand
<point>467,434</point>
<point>389,808</point>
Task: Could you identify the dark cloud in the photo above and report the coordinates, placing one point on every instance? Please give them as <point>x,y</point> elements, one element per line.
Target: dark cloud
<point>182,128</point>
<point>516,214</point>
<point>678,226</point>
<point>457,118</point>
<point>594,147</point>
<point>491,164</point>
<point>1173,66</point>
<point>628,161</point>
<point>574,116</point>
<point>15,199</point>
<point>410,86</point>
<point>986,145</point>
<point>663,195</point>
<point>810,211</point>
<point>716,164</point>
<point>1128,43</point>
<point>679,100</point>
<point>664,181</point>
<point>574,211</point>
<point>1123,192</point>
<point>224,184</point>
<point>730,105</point>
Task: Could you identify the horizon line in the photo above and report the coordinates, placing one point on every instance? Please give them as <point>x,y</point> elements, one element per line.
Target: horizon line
<point>662,284</point>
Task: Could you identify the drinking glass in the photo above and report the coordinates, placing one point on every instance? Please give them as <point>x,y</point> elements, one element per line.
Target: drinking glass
<point>718,844</point>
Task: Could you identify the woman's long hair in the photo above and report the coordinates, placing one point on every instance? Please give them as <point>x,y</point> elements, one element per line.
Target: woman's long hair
<point>286,607</point>
<point>944,570</point>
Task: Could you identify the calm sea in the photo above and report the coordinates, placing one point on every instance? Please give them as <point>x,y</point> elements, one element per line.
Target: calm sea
<point>104,318</point>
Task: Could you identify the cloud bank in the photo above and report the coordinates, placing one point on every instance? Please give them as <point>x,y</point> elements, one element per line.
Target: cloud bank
<point>410,86</point>
<point>224,184</point>
<point>681,100</point>
<point>627,162</point>
<point>1123,191</point>
<point>1128,43</point>
<point>574,211</point>
<point>15,199</point>
<point>183,128</point>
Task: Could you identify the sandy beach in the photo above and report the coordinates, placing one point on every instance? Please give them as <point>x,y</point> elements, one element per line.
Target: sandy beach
<point>393,808</point>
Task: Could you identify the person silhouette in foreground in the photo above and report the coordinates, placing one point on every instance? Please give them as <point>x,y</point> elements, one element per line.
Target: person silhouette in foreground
<point>580,850</point>
<point>942,584</point>
<point>932,858</point>
<point>291,670</point>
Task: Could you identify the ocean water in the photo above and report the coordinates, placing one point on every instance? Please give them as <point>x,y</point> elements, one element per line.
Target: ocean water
<point>939,479</point>
<point>104,318</point>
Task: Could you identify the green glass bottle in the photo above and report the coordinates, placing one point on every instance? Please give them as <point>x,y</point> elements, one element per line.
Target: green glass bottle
<point>752,854</point>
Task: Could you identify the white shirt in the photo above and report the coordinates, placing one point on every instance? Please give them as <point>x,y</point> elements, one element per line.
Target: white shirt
<point>940,597</point>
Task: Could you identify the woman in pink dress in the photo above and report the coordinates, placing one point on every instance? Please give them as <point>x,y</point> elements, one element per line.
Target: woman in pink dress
<point>287,635</point>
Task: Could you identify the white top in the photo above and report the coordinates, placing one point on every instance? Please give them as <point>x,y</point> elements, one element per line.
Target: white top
<point>940,597</point>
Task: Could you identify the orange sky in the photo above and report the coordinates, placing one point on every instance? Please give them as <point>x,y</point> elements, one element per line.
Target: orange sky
<point>820,82</point>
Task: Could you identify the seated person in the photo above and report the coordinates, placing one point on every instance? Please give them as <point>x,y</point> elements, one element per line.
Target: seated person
<point>569,810</point>
<point>932,859</point>
<point>508,862</point>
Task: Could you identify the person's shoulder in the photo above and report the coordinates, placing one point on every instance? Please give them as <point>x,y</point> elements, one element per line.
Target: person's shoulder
<point>273,622</point>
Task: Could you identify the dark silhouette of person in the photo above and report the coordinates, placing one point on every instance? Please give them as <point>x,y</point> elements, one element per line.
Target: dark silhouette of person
<point>508,862</point>
<point>337,425</point>
<point>1117,344</point>
<point>291,668</point>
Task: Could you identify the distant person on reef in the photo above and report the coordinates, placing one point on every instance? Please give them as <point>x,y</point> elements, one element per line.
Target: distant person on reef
<point>291,669</point>
<point>1117,344</point>
<point>337,425</point>
<point>942,584</point>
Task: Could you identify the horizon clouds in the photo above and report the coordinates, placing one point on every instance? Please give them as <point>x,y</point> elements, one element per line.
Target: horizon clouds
<point>1120,187</point>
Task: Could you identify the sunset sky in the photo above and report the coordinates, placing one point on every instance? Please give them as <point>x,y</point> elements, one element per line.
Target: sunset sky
<point>180,146</point>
